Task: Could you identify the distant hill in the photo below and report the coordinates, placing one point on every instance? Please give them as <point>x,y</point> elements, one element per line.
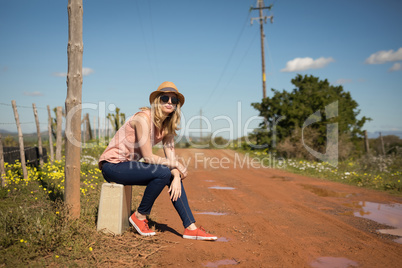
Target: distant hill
<point>3,131</point>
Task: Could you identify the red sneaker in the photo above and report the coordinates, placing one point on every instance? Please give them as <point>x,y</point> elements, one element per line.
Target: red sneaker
<point>141,226</point>
<point>198,234</point>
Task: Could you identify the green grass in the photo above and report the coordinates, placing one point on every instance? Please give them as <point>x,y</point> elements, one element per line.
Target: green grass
<point>350,172</point>
<point>374,172</point>
<point>35,229</point>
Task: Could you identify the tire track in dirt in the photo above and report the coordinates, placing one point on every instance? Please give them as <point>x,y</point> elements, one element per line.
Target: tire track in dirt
<point>273,218</point>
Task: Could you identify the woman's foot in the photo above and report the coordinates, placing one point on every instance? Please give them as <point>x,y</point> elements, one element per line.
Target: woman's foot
<point>141,225</point>
<point>198,234</point>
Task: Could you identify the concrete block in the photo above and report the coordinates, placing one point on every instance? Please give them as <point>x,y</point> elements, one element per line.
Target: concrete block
<point>114,208</point>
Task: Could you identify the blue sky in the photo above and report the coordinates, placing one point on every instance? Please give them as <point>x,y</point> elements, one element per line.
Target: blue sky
<point>208,49</point>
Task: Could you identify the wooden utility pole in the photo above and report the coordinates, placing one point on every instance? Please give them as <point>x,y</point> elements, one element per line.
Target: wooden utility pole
<point>262,19</point>
<point>49,128</point>
<point>59,141</point>
<point>2,170</point>
<point>38,132</point>
<point>73,108</point>
<point>20,140</point>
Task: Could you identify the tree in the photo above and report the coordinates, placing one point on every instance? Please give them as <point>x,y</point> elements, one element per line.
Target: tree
<point>287,111</point>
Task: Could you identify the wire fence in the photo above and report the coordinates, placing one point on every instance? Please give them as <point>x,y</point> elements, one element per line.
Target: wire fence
<point>27,120</point>
<point>96,129</point>
<point>32,155</point>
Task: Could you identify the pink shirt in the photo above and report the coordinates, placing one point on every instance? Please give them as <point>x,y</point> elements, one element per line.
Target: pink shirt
<point>123,147</point>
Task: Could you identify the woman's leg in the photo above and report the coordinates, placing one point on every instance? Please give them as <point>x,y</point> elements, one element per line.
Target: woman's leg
<point>156,177</point>
<point>182,207</point>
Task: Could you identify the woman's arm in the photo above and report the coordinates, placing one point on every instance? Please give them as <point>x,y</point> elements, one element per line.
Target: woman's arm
<point>168,148</point>
<point>141,126</point>
<point>178,173</point>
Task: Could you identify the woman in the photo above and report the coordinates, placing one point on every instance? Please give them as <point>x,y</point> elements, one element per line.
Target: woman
<point>133,141</point>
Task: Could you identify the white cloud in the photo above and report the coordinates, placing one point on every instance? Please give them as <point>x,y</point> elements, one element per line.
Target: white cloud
<point>396,67</point>
<point>59,74</point>
<point>384,56</point>
<point>301,64</point>
<point>343,81</point>
<point>33,94</point>
<point>85,72</point>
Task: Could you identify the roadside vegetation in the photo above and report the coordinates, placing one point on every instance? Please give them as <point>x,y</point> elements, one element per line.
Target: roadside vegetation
<point>314,115</point>
<point>35,229</point>
<point>374,172</point>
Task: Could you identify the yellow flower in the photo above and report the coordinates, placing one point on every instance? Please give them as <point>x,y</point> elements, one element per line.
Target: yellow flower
<point>57,256</point>
<point>90,248</point>
<point>22,240</point>
<point>57,212</point>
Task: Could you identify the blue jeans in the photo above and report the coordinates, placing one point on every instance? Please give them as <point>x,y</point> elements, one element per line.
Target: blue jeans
<point>155,177</point>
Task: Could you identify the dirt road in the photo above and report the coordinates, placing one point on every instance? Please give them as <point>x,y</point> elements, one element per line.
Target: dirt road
<point>270,219</point>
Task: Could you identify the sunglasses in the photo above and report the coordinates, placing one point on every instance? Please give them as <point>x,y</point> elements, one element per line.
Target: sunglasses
<point>165,99</point>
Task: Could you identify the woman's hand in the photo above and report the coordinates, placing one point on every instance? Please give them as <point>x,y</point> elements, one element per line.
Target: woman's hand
<point>182,169</point>
<point>175,188</point>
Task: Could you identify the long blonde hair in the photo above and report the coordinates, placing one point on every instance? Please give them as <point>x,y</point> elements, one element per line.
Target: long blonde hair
<point>168,125</point>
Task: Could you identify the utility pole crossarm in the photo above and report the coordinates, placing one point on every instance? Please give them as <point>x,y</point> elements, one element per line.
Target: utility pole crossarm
<point>264,18</point>
<point>268,7</point>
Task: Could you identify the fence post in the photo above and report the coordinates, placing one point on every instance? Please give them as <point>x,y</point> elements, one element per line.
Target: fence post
<point>94,134</point>
<point>58,133</point>
<point>88,130</point>
<point>21,140</point>
<point>382,144</point>
<point>2,170</point>
<point>49,128</point>
<point>39,137</point>
<point>366,142</point>
<point>73,108</point>
<point>99,134</point>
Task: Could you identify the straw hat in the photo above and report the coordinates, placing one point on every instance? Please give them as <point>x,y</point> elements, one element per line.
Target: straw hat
<point>166,87</point>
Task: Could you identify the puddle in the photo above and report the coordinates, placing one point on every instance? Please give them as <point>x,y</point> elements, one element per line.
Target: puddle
<point>332,262</point>
<point>399,240</point>
<point>323,192</point>
<point>221,262</point>
<point>212,213</point>
<point>388,214</point>
<point>223,239</point>
<point>221,188</point>
<point>281,178</point>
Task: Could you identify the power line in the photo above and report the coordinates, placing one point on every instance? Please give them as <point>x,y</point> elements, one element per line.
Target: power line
<point>229,59</point>
<point>238,67</point>
<point>145,42</point>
